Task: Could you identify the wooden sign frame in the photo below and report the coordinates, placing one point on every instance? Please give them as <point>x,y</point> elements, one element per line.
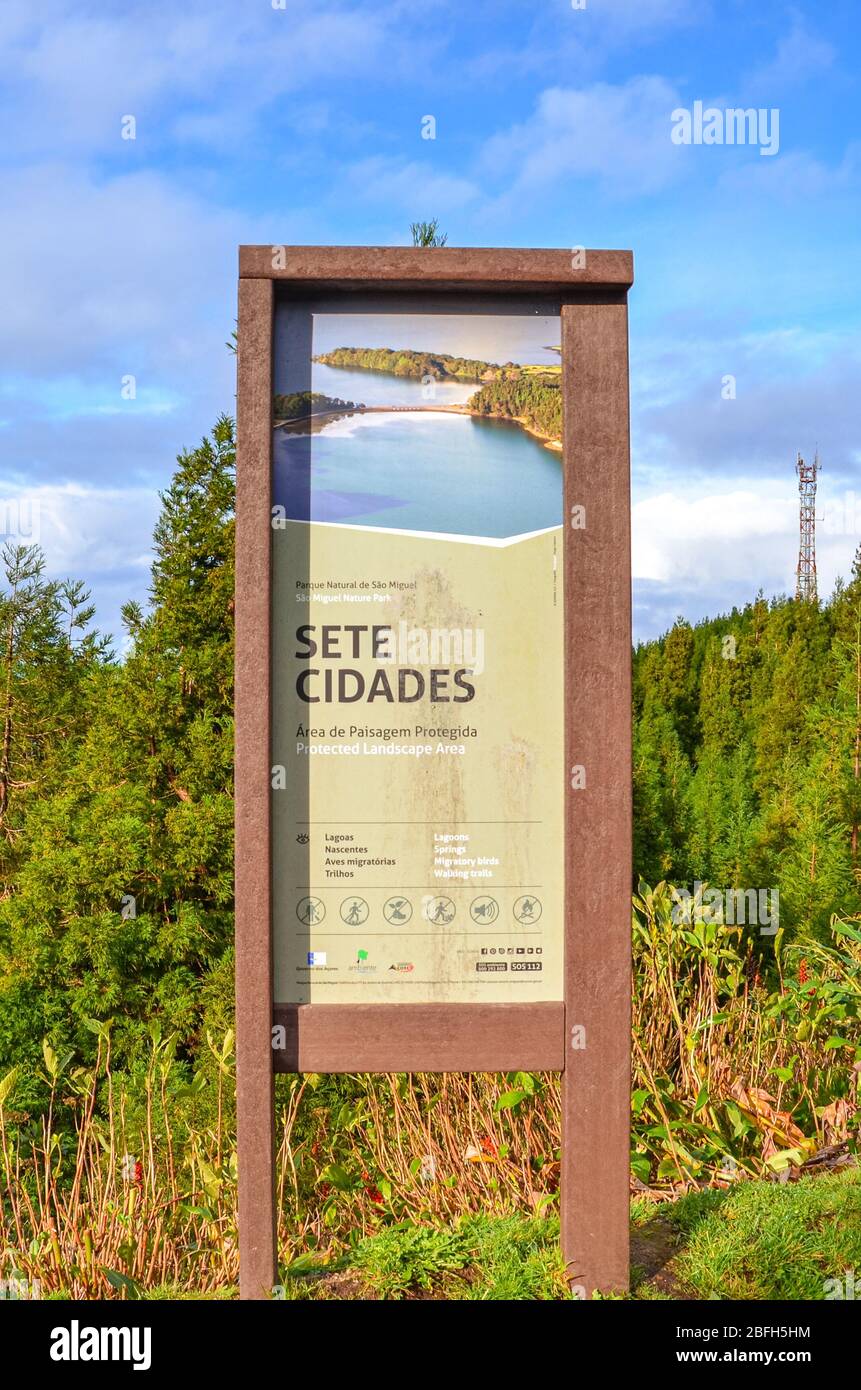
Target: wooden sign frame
<point>586,1037</point>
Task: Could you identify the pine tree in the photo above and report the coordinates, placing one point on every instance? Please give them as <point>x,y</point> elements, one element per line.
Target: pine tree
<point>122,901</point>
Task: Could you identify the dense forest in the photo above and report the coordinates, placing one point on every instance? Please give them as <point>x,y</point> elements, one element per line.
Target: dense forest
<point>747,754</point>
<point>116,805</point>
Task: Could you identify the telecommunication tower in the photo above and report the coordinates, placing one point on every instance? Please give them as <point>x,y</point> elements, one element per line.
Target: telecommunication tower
<point>805,574</point>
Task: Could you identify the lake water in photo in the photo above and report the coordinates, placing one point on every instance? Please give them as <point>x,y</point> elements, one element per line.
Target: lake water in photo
<point>456,474</point>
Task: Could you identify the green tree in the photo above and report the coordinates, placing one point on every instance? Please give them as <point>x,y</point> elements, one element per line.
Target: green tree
<point>427,234</point>
<point>122,900</point>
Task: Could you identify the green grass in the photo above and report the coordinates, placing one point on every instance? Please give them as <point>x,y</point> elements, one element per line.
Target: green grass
<point>763,1240</point>
<point>479,1259</point>
<point>512,1259</point>
<point>754,1241</point>
<point>412,1259</point>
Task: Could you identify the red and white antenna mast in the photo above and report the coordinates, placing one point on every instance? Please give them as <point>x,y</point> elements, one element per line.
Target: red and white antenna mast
<point>805,574</point>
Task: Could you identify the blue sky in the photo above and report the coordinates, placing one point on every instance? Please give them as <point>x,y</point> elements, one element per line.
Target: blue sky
<point>553,128</point>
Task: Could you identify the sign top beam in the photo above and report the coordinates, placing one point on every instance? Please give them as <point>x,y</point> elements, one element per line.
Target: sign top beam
<point>502,270</point>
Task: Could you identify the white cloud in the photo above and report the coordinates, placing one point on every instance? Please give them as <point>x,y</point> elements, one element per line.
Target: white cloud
<point>619,135</point>
<point>82,528</point>
<point>75,75</point>
<point>796,175</point>
<point>409,185</point>
<point>579,42</point>
<point>794,388</point>
<point>682,538</point>
<point>704,550</point>
<point>799,57</point>
<point>117,281</point>
<point>100,534</point>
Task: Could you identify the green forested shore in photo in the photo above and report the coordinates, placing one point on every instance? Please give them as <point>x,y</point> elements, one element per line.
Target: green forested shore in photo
<point>405,362</point>
<point>297,405</point>
<point>117,1138</point>
<point>530,393</point>
<point>538,403</point>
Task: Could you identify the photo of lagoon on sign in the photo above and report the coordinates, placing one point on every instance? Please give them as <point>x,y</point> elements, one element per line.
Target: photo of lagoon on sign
<point>416,585</point>
<point>434,413</point>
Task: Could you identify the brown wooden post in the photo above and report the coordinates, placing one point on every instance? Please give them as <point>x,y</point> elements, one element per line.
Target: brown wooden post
<point>596,1079</point>
<point>255,1084</point>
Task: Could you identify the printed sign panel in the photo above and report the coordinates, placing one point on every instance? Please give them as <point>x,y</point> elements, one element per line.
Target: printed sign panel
<point>417,652</point>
